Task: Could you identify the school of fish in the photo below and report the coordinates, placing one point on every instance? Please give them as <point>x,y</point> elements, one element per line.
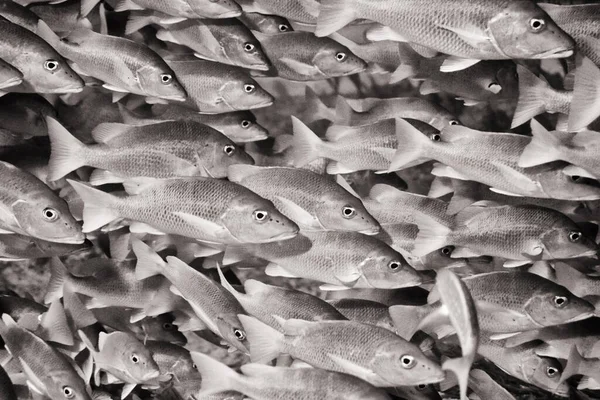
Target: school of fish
<point>300,199</point>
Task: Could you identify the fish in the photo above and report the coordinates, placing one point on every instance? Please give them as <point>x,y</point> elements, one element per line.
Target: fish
<point>123,356</point>
<point>6,386</point>
<point>24,113</point>
<point>112,284</point>
<point>503,174</point>
<point>213,304</point>
<point>20,15</point>
<point>584,106</point>
<point>486,387</point>
<point>214,88</point>
<point>63,17</point>
<point>265,23</point>
<point>31,208</point>
<point>365,311</point>
<point>300,56</point>
<point>239,126</point>
<point>309,199</point>
<point>296,10</point>
<point>44,69</point>
<point>580,22</point>
<point>22,247</point>
<point>481,33</point>
<point>266,302</point>
<point>162,150</point>
<point>338,259</point>
<point>548,146</point>
<point>266,382</point>
<point>577,365</point>
<point>226,41</point>
<point>9,75</point>
<point>371,353</point>
<point>521,233</point>
<point>577,282</point>
<point>353,112</point>
<point>523,363</point>
<point>225,213</point>
<point>47,371</point>
<point>122,64</point>
<point>173,360</point>
<point>455,296</point>
<point>180,8</point>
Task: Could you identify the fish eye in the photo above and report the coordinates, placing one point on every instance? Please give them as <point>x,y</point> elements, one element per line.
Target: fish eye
<point>248,47</point>
<point>494,87</point>
<point>454,122</point>
<point>537,24</point>
<point>167,326</point>
<point>394,265</point>
<point>575,178</point>
<point>194,366</point>
<point>446,251</point>
<point>436,137</point>
<point>239,334</point>
<point>51,65</point>
<point>246,124</point>
<point>575,236</point>
<point>560,301</point>
<point>341,57</point>
<point>348,212</point>
<point>229,150</point>
<point>407,361</point>
<point>260,215</point>
<point>283,28</point>
<point>166,78</point>
<point>248,88</point>
<point>135,359</point>
<point>422,386</point>
<point>551,371</point>
<point>50,214</point>
<point>68,392</point>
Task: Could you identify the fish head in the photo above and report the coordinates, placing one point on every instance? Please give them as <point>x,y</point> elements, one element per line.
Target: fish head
<point>551,304</point>
<point>271,24</point>
<point>245,94</point>
<point>385,268</point>
<point>558,185</point>
<point>344,212</point>
<point>545,372</point>
<point>129,357</point>
<point>184,368</point>
<point>161,82</point>
<point>402,364</point>
<point>334,59</point>
<point>215,8</point>
<point>48,219</point>
<point>242,127</point>
<point>232,330</point>
<point>566,240</point>
<point>50,73</point>
<point>162,328</point>
<point>524,30</point>
<point>60,249</point>
<point>252,219</point>
<point>245,51</point>
<point>66,385</point>
<point>219,152</point>
<point>418,392</point>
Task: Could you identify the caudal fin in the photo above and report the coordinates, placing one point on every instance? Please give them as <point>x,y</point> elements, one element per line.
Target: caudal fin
<point>67,153</point>
<point>333,16</point>
<point>315,108</point>
<point>136,21</point>
<point>98,206</point>
<point>406,319</point>
<point>44,31</point>
<point>575,364</point>
<point>585,107</point>
<point>412,146</point>
<point>307,145</point>
<point>544,147</point>
<point>87,6</point>
<point>54,326</point>
<point>216,376</point>
<point>148,262</point>
<point>532,101</point>
<point>58,275</point>
<point>432,236</point>
<point>344,113</point>
<point>265,342</point>
<point>460,367</point>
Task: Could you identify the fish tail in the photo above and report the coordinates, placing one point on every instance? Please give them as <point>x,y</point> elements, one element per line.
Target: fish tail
<point>87,6</point>
<point>406,319</point>
<point>148,262</point>
<point>440,186</point>
<point>461,199</point>
<point>567,274</point>
<point>98,206</point>
<point>55,326</point>
<point>333,16</point>
<point>404,71</point>
<point>78,312</point>
<point>575,362</point>
<point>432,236</point>
<point>135,22</point>
<point>266,343</point>
<point>585,107</point>
<point>307,144</point>
<point>544,147</point>
<point>225,283</point>
<point>216,376</point>
<point>344,113</point>
<point>315,108</point>
<point>412,143</point>
<point>460,367</point>
<point>58,276</point>
<point>44,31</point>
<point>531,102</point>
<point>67,153</point>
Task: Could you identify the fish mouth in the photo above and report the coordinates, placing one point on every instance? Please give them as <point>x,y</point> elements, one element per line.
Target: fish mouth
<point>371,231</point>
<point>176,97</point>
<point>263,104</point>
<point>151,375</point>
<point>260,67</point>
<point>69,89</point>
<point>11,82</point>
<point>581,317</point>
<point>284,236</point>
<point>556,53</point>
<point>75,240</point>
